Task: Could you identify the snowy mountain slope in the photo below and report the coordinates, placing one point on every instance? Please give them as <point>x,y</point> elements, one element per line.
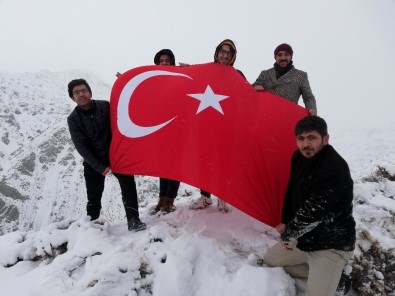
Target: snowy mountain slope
<point>38,171</point>
<point>56,251</point>
<point>370,153</point>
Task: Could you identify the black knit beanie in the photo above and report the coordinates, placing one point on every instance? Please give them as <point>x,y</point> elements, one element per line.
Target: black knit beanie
<point>283,47</point>
<point>167,52</point>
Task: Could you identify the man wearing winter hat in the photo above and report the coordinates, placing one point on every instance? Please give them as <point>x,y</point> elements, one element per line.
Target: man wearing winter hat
<point>165,57</point>
<point>285,80</point>
<point>225,54</point>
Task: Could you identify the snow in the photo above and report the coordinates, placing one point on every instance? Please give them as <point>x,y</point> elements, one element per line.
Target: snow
<point>187,252</point>
<point>55,250</point>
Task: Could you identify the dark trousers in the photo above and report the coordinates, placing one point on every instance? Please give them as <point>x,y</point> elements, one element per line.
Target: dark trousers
<point>205,193</point>
<point>95,187</point>
<point>168,188</point>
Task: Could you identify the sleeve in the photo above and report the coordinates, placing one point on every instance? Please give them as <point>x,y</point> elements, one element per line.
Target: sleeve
<point>307,94</point>
<point>241,73</point>
<point>82,145</point>
<point>325,194</point>
<point>260,80</point>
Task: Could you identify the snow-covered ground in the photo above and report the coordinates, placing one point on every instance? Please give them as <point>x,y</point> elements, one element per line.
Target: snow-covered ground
<point>58,251</point>
<point>183,253</point>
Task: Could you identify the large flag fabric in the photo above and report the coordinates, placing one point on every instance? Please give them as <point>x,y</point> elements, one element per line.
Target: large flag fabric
<point>205,125</point>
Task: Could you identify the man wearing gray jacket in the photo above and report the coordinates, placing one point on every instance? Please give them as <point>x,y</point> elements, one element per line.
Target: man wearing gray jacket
<point>285,80</point>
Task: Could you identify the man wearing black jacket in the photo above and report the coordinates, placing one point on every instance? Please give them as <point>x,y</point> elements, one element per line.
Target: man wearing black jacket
<point>90,130</point>
<point>317,229</point>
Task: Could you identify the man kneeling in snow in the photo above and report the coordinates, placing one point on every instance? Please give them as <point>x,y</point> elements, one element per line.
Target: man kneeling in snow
<point>317,229</point>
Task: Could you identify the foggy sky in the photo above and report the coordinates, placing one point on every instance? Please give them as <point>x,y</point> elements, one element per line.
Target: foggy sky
<point>346,47</point>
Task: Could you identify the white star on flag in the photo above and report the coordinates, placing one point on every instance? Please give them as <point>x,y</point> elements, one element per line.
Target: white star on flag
<point>209,99</point>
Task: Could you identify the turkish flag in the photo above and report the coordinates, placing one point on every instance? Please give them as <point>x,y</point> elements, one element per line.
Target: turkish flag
<point>205,125</point>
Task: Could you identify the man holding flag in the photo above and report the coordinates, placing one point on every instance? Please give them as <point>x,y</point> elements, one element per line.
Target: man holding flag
<point>317,227</point>
<point>90,130</point>
<point>168,188</point>
<point>225,54</point>
<point>285,80</point>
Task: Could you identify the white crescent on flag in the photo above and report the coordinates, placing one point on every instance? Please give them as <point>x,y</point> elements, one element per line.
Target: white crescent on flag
<point>126,125</point>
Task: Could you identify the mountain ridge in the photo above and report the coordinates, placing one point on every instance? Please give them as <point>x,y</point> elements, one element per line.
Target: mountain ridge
<point>36,150</point>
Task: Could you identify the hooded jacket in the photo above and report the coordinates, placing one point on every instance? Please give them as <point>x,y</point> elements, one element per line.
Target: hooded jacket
<point>232,45</point>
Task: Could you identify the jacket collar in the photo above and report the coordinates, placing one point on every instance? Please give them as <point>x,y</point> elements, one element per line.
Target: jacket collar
<point>286,78</point>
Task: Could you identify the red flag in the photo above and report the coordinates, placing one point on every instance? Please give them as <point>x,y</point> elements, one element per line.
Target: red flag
<point>206,126</point>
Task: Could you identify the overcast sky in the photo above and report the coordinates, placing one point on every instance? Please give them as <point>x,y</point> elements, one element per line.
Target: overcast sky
<point>346,47</point>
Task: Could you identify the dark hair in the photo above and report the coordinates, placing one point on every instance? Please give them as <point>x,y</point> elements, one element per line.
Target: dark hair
<point>167,52</point>
<point>74,83</point>
<point>311,123</point>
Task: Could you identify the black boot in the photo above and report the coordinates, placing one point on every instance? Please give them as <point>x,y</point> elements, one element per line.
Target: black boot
<point>159,206</point>
<point>135,224</point>
<point>168,206</point>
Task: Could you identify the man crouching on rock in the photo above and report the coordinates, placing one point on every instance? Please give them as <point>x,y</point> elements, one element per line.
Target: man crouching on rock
<point>317,229</point>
